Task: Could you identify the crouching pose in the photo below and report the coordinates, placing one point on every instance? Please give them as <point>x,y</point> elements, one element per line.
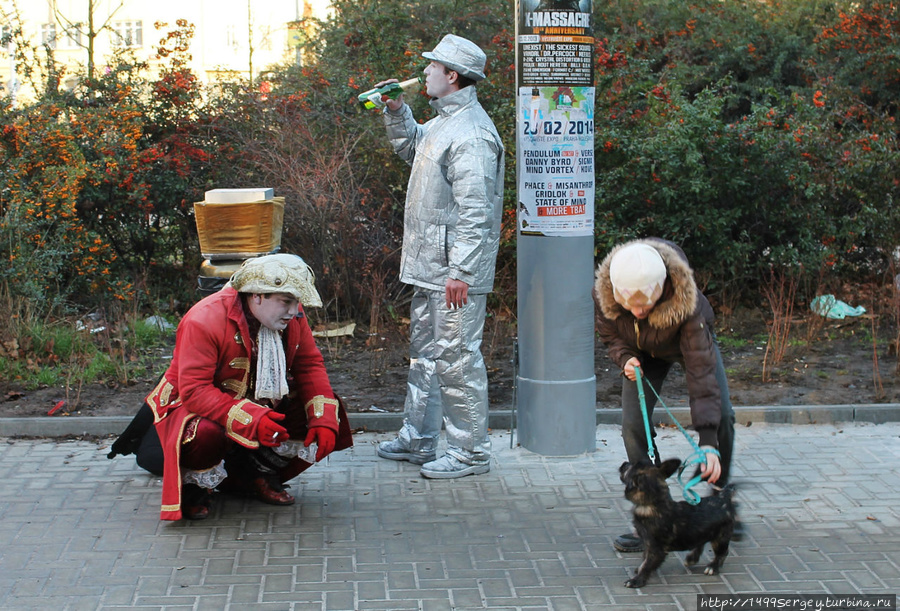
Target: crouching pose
<point>246,394</point>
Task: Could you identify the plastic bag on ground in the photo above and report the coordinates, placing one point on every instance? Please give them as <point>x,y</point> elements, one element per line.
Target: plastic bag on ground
<point>829,307</point>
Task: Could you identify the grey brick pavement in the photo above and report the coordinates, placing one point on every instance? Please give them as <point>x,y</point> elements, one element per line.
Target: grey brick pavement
<point>821,504</point>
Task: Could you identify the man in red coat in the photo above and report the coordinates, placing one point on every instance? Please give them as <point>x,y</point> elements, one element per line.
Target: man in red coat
<point>246,395</point>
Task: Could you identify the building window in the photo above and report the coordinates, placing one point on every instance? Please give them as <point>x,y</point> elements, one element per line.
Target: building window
<point>72,38</point>
<point>231,39</point>
<point>48,35</point>
<point>127,34</point>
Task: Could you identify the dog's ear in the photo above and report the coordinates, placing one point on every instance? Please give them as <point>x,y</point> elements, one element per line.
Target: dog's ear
<point>670,466</point>
<point>623,469</point>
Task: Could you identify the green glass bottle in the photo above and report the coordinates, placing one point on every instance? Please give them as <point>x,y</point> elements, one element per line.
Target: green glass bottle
<point>374,98</point>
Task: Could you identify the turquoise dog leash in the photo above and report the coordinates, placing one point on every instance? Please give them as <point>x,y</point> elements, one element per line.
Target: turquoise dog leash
<point>699,455</point>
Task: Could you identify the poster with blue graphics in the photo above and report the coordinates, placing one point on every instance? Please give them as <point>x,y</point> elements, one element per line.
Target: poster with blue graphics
<point>556,160</point>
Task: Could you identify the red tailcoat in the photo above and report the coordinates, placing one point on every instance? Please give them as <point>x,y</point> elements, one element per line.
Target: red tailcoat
<point>210,377</point>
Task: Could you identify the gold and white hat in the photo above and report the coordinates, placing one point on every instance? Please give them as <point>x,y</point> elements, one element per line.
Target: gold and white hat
<point>638,275</point>
<point>280,273</point>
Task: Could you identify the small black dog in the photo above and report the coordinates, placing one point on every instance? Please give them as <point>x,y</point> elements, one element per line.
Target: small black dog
<point>664,525</point>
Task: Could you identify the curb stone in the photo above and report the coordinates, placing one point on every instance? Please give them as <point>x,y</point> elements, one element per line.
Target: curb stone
<point>879,413</point>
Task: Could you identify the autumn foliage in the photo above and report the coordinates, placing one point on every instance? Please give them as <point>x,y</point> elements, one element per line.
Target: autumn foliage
<point>758,135</point>
<point>48,251</point>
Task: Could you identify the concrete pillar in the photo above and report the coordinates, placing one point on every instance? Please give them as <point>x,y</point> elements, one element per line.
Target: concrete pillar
<point>555,382</point>
<point>557,388</point>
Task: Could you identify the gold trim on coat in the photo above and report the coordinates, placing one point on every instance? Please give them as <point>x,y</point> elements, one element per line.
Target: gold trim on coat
<point>315,407</point>
<point>237,414</point>
<point>238,387</point>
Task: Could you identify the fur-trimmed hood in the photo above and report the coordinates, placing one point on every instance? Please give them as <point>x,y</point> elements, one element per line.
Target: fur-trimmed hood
<point>679,300</point>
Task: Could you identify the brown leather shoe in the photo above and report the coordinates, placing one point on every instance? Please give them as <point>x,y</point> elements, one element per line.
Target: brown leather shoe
<point>195,502</point>
<point>269,490</point>
<point>195,512</point>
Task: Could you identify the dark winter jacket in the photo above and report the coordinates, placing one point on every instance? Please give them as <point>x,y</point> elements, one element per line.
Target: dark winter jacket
<point>678,329</point>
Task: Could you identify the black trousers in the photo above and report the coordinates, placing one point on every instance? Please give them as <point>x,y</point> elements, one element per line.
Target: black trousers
<point>140,439</point>
<point>653,373</point>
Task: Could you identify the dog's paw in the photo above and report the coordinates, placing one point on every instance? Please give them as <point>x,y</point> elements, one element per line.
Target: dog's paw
<point>636,582</point>
<point>711,570</point>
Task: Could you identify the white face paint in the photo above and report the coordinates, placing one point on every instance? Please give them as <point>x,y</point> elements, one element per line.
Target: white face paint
<point>274,310</point>
<point>439,83</point>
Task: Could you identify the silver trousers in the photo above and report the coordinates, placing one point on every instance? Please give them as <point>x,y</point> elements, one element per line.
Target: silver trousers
<point>447,381</point>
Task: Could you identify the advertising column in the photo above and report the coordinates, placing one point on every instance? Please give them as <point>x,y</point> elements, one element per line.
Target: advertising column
<point>556,385</point>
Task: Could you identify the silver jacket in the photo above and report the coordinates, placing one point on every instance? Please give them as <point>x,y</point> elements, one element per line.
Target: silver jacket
<point>454,201</point>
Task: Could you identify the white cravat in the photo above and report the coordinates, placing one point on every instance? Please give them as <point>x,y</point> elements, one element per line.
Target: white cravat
<point>271,376</point>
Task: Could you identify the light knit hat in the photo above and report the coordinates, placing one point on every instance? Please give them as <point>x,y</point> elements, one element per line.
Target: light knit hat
<point>459,54</point>
<point>638,274</point>
<point>280,273</point>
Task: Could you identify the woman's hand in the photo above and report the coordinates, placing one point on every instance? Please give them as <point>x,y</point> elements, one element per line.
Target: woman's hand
<point>632,364</point>
<point>711,470</point>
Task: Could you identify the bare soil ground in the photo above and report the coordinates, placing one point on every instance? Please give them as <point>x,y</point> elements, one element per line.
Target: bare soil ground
<point>836,366</point>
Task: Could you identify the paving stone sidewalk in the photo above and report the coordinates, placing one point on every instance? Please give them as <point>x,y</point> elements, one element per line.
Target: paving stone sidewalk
<point>821,504</point>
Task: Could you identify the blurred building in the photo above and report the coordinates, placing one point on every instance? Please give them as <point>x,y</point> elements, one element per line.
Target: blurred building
<point>232,38</point>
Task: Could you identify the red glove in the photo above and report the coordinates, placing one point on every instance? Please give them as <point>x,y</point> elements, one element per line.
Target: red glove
<point>269,430</point>
<point>324,437</point>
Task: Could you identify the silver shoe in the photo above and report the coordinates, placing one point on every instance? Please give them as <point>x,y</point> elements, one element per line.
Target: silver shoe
<point>448,467</point>
<point>396,450</point>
